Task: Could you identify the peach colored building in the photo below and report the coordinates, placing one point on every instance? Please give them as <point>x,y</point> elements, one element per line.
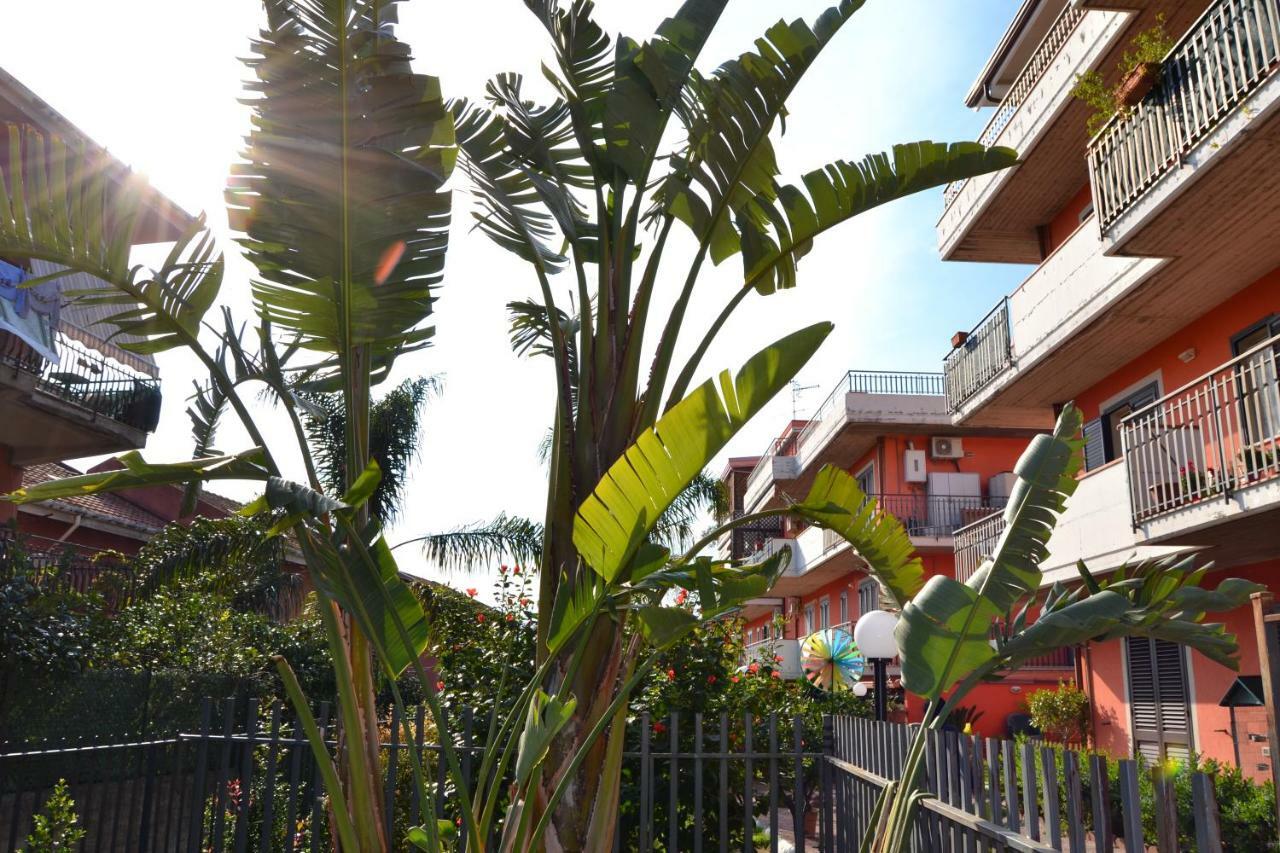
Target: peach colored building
<point>893,433</point>
<point>1154,305</point>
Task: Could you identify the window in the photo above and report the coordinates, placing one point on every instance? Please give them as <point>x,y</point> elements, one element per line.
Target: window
<point>1158,698</point>
<point>824,613</point>
<point>1102,435</point>
<point>1257,385</point>
<point>844,607</point>
<point>867,479</point>
<point>809,626</point>
<point>764,632</point>
<point>868,597</point>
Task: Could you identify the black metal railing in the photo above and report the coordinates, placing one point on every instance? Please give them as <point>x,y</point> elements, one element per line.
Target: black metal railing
<point>1224,58</point>
<point>984,354</point>
<point>247,780</point>
<point>89,380</point>
<point>751,539</point>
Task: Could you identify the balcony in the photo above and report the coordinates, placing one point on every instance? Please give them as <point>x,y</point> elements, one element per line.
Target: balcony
<point>1044,344</point>
<point>768,651</point>
<point>995,217</point>
<point>975,542</point>
<point>1213,108</point>
<point>863,406</point>
<point>1203,462</point>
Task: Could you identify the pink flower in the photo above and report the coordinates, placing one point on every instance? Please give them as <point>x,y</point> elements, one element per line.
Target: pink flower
<point>471,591</point>
<point>753,668</point>
<point>734,679</point>
<point>671,675</point>
<point>777,658</point>
<point>480,617</point>
<point>777,674</point>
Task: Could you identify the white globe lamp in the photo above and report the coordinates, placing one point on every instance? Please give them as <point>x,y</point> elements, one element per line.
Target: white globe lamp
<point>859,690</point>
<point>874,634</point>
<point>874,637</point>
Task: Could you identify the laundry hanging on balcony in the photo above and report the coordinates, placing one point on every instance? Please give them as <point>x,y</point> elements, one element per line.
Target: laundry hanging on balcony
<point>29,313</point>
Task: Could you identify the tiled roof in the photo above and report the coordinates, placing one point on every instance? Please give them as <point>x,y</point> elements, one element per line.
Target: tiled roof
<point>104,507</point>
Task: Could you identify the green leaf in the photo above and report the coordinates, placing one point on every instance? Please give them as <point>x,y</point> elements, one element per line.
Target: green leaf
<point>943,634</point>
<point>639,487</point>
<point>137,472</point>
<point>777,229</point>
<point>836,503</point>
<point>721,587</point>
<point>339,193</point>
<point>729,157</point>
<point>546,717</point>
<point>663,627</point>
<point>364,486</point>
<point>362,576</point>
<point>574,605</point>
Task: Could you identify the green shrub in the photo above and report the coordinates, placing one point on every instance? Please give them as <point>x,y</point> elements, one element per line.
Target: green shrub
<point>1061,715</point>
<point>55,827</point>
<point>1151,45</point>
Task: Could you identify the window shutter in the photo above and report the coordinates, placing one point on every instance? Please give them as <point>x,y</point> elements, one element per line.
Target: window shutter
<point>1095,451</point>
<point>1159,701</point>
<point>1142,686</point>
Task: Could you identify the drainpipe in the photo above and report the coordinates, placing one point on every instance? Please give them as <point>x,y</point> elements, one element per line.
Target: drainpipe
<point>1093,706</point>
<point>75,525</point>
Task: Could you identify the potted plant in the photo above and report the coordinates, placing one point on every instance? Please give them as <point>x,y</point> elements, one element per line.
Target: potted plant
<point>1138,70</point>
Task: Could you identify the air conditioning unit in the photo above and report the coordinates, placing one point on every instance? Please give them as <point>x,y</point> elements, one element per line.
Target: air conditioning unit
<point>945,447</point>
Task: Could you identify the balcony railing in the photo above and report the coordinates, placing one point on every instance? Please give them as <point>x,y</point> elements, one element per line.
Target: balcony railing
<point>936,515</point>
<point>87,379</point>
<point>986,352</point>
<point>1209,439</point>
<point>1059,34</point>
<point>1225,56</point>
<point>750,540</point>
<point>975,542</point>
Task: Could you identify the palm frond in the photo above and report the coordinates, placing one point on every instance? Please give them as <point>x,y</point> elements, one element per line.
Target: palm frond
<point>339,196</point>
<point>470,546</point>
<point>512,212</point>
<point>584,53</point>
<point>729,157</point>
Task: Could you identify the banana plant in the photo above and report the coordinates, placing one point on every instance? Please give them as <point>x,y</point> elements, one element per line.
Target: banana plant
<point>944,633</point>
<point>340,203</point>
<point>587,189</point>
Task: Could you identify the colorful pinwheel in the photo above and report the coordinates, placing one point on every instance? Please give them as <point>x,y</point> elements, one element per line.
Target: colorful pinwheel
<point>831,660</point>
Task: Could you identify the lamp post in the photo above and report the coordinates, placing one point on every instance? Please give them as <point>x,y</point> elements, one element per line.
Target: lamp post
<point>873,635</point>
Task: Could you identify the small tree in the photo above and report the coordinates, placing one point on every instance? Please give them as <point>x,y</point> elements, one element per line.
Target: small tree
<point>1061,714</point>
<point>55,828</point>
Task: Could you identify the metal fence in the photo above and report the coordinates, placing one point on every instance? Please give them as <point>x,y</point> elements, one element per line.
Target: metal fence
<point>986,352</point>
<point>988,794</point>
<point>1057,36</point>
<point>924,514</point>
<point>1207,440</point>
<point>248,781</point>
<point>1225,56</point>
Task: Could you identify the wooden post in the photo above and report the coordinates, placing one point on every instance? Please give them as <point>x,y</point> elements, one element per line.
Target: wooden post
<point>1267,663</point>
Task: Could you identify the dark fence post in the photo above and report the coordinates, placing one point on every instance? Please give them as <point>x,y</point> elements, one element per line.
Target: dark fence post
<point>269,800</point>
<point>1101,795</point>
<point>246,776</point>
<point>646,786</point>
<point>148,793</point>
<point>195,826</point>
<point>799,810</point>
<point>1166,811</point>
<point>824,774</point>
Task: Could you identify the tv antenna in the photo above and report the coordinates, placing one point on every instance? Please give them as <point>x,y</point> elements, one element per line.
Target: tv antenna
<point>796,390</point>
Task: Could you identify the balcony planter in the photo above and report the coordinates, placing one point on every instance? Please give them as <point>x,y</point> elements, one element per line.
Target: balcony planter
<point>1136,84</point>
<point>958,339</point>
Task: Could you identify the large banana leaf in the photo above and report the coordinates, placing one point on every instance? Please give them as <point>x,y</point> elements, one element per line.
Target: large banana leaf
<point>777,230</point>
<point>835,502</point>
<point>584,53</point>
<point>637,489</point>
<point>944,632</point>
<point>339,197</point>
<point>136,472</point>
<point>729,157</point>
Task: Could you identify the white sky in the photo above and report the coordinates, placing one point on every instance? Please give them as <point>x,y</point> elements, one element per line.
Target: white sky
<point>156,81</point>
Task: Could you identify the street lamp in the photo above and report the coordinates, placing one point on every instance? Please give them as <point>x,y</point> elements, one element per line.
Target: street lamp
<point>873,635</point>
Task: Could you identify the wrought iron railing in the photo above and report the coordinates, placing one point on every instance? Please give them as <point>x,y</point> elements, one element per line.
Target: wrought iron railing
<point>1059,34</point>
<point>89,380</point>
<point>975,542</point>
<point>1208,439</point>
<point>1226,55</point>
<point>746,542</point>
<point>985,353</point>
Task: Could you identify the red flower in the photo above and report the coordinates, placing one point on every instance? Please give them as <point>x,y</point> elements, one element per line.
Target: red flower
<point>711,679</point>
<point>479,617</point>
<point>524,602</point>
<point>457,821</point>
<point>659,727</point>
<point>754,668</point>
<point>671,675</point>
<point>502,570</point>
<point>777,658</point>
<point>511,617</point>
<point>777,674</point>
<point>682,597</point>
<point>439,686</point>
<point>516,570</point>
<point>734,679</point>
<point>471,591</point>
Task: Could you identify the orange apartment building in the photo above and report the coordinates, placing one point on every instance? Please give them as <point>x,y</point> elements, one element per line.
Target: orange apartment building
<point>1154,305</point>
<point>892,431</point>
<point>67,387</point>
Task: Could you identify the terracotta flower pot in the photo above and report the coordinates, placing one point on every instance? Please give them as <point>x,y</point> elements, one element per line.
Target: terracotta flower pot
<point>1136,84</point>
